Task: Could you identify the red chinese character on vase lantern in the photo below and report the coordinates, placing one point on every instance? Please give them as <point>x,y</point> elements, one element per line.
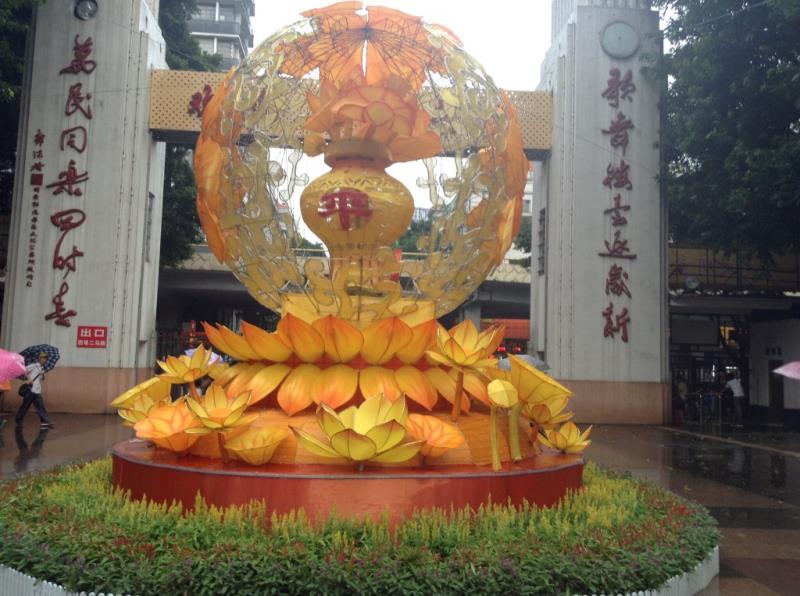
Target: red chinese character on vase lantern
<point>80,52</point>
<point>38,138</point>
<point>617,176</point>
<point>616,323</point>
<point>618,87</point>
<point>617,219</point>
<point>618,129</point>
<point>617,248</point>
<point>67,180</point>
<point>346,203</point>
<point>60,314</point>
<point>65,221</point>
<point>75,101</point>
<point>199,101</point>
<point>615,282</point>
<point>75,138</point>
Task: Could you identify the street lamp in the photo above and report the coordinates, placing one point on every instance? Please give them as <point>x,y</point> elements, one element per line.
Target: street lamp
<point>85,9</point>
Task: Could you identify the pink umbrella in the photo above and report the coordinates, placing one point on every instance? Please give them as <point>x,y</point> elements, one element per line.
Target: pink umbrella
<point>11,365</point>
<point>791,370</point>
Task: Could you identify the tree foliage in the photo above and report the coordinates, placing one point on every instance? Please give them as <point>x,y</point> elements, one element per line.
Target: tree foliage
<point>523,239</point>
<point>732,138</point>
<point>180,226</point>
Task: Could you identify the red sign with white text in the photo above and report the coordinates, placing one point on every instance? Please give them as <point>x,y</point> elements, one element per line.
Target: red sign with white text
<point>92,337</point>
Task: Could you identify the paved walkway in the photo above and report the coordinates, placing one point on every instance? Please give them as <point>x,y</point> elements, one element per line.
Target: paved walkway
<point>751,484</point>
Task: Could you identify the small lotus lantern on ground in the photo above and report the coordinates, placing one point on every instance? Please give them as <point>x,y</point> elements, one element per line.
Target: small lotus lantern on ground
<point>358,372</point>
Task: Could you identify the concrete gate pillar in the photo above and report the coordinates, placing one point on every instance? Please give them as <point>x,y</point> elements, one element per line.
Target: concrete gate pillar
<point>598,306</point>
<point>86,217</point>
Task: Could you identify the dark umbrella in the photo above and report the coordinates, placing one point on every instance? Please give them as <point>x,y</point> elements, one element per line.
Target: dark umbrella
<point>31,354</point>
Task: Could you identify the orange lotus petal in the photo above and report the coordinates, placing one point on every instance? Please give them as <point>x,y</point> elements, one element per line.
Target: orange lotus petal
<point>439,436</point>
<point>423,337</point>
<point>242,380</point>
<point>301,337</point>
<point>375,380</point>
<point>268,346</point>
<point>211,228</point>
<point>208,161</point>
<point>476,387</point>
<point>342,341</point>
<point>218,341</point>
<point>265,381</point>
<point>383,339</point>
<point>416,386</point>
<point>335,386</point>
<point>242,350</point>
<point>295,393</point>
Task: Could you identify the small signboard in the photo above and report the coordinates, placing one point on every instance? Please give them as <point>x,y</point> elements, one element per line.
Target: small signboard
<point>92,337</point>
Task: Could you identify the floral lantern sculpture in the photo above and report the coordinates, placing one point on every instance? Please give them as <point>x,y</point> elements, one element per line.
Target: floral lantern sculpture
<point>359,372</point>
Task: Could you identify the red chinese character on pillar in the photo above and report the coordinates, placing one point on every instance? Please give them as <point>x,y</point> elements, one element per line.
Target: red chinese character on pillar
<point>616,323</point>
<point>199,101</point>
<point>347,203</point>
<point>60,313</point>
<point>617,219</point>
<point>68,179</point>
<point>618,129</point>
<point>615,282</point>
<point>617,176</point>
<point>65,221</point>
<point>75,99</point>
<point>80,51</point>
<point>75,137</point>
<point>618,248</point>
<point>619,87</point>
<point>38,138</point>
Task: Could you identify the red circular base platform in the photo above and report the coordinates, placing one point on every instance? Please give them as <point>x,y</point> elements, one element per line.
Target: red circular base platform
<point>319,489</point>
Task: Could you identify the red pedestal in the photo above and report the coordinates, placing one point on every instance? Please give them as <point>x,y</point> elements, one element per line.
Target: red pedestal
<point>318,489</point>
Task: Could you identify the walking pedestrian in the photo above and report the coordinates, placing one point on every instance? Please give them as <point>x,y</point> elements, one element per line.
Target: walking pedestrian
<point>34,373</point>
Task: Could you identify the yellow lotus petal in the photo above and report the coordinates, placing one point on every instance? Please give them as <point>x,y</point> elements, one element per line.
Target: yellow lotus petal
<point>342,341</point>
<point>313,444</point>
<point>476,387</point>
<point>383,339</point>
<point>399,454</point>
<point>243,379</point>
<point>301,337</point>
<point>196,408</point>
<point>577,447</point>
<point>231,373</point>
<point>465,334</point>
<point>294,394</point>
<point>570,432</point>
<point>444,383</point>
<point>455,353</point>
<point>502,393</point>
<point>439,358</point>
<point>209,426</point>
<point>348,443</point>
<point>329,421</point>
<point>376,380</point>
<point>216,370</point>
<point>416,386</point>
<point>238,344</point>
<point>266,381</point>
<point>199,358</point>
<point>218,341</point>
<point>557,440</point>
<point>155,387</point>
<point>585,434</point>
<point>335,386</point>
<point>387,435</point>
<point>533,384</point>
<point>256,446</point>
<point>268,346</point>
<point>423,337</point>
<point>237,417</point>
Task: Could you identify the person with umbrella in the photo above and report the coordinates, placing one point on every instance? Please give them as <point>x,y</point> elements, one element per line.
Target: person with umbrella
<point>34,373</point>
<point>12,365</point>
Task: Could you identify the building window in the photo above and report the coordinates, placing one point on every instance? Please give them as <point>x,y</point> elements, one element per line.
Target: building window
<point>206,44</point>
<point>229,49</point>
<point>226,13</point>
<point>542,238</point>
<point>206,12</point>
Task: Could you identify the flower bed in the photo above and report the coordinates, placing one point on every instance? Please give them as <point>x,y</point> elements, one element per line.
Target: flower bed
<point>618,535</point>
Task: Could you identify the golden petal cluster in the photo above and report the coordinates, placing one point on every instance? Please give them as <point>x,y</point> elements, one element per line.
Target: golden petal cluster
<point>167,427</point>
<point>464,348</point>
<point>532,384</point>
<point>502,394</point>
<point>567,438</point>
<point>373,431</point>
<point>256,446</point>
<point>186,369</point>
<point>437,435</point>
<point>135,403</point>
<point>218,412</point>
<point>549,413</point>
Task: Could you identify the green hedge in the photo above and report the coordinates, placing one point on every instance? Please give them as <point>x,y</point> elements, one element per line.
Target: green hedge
<point>70,527</point>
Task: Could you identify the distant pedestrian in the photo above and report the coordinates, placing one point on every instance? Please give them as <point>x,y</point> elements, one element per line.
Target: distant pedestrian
<point>34,373</point>
<point>734,386</point>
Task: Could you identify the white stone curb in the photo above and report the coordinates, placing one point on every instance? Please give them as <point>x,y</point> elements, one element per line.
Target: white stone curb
<point>14,583</point>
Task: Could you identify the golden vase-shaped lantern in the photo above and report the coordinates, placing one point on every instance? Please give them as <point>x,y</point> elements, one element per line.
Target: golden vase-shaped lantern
<point>357,207</point>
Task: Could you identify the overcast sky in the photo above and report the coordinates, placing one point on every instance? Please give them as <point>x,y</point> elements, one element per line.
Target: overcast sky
<point>508,37</point>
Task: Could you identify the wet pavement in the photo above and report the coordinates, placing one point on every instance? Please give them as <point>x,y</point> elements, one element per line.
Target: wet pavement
<point>749,481</point>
